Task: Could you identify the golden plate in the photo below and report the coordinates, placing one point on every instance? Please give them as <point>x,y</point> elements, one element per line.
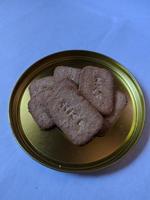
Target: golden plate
<point>51,148</point>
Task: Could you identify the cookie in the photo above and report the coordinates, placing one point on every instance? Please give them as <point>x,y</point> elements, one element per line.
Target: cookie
<point>72,113</point>
<point>39,112</point>
<point>62,72</point>
<point>120,103</point>
<point>39,85</point>
<point>36,104</point>
<point>97,85</point>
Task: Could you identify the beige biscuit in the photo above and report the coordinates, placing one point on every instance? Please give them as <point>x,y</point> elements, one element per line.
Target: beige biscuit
<point>36,104</point>
<point>72,113</point>
<point>97,85</point>
<point>39,112</point>
<point>62,72</point>
<point>41,84</point>
<point>120,103</point>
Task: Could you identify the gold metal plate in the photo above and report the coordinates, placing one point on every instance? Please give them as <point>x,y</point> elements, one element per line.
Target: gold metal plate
<point>50,147</point>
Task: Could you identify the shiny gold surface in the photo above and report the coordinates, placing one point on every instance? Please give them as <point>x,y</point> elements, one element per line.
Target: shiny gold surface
<point>51,147</point>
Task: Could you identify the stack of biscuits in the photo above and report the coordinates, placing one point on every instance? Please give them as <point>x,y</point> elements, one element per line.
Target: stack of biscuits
<point>83,103</point>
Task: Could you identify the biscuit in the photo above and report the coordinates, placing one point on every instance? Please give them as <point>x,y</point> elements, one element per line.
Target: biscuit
<point>120,103</point>
<point>97,85</point>
<point>72,113</point>
<point>62,72</point>
<point>39,85</point>
<point>39,112</point>
<point>36,104</point>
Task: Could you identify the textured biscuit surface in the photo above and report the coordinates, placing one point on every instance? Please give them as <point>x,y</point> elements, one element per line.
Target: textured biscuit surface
<point>39,112</point>
<point>97,85</point>
<point>72,113</point>
<point>36,104</point>
<point>39,85</point>
<point>120,103</point>
<point>62,72</point>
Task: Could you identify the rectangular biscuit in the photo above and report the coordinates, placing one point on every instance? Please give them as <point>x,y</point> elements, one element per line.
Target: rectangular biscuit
<point>62,72</point>
<point>39,112</point>
<point>120,103</point>
<point>72,113</point>
<point>41,84</point>
<point>36,104</point>
<point>97,85</point>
